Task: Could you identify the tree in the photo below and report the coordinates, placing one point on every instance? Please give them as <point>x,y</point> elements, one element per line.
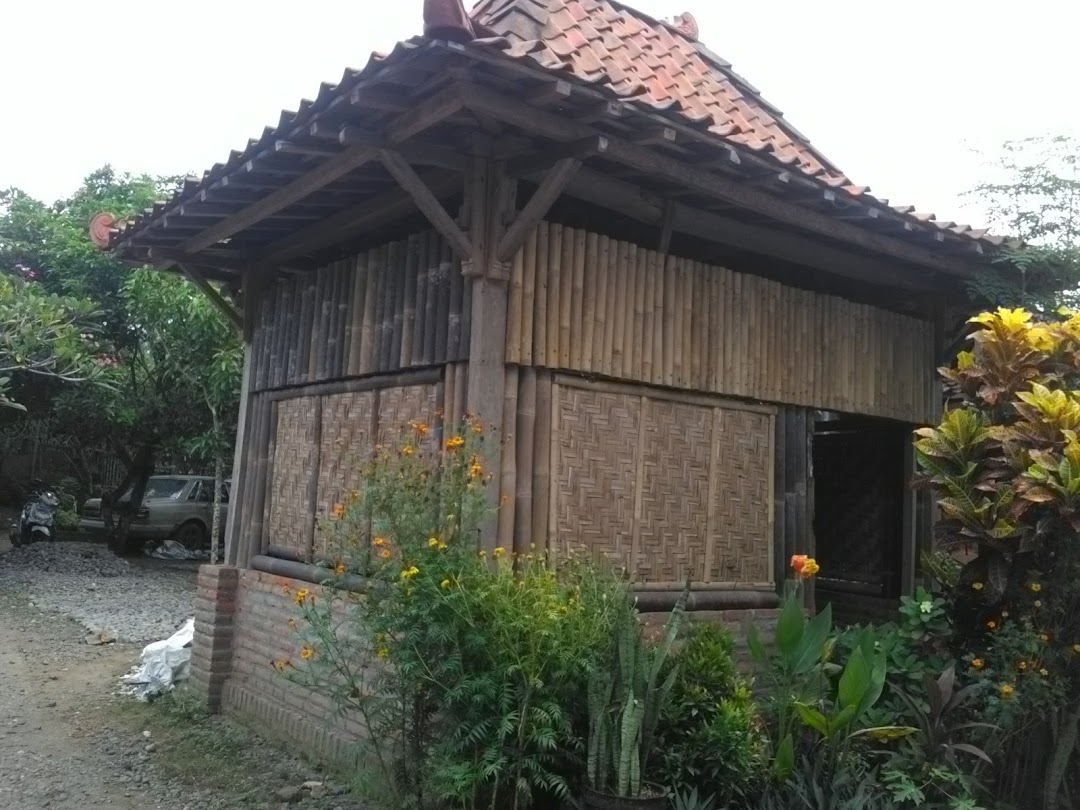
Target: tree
<point>1035,197</point>
<point>169,361</point>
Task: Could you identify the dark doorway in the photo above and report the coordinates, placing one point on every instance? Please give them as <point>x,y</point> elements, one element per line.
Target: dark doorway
<point>859,500</point>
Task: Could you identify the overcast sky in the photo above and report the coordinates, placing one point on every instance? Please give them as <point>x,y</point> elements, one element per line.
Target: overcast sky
<point>897,94</point>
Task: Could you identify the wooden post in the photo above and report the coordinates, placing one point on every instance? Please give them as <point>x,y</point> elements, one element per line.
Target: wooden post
<point>489,198</point>
<point>241,452</point>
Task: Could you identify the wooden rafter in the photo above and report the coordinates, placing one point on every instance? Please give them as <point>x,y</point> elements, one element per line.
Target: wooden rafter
<point>224,307</point>
<point>509,110</point>
<point>537,207</point>
<point>355,220</point>
<point>427,202</point>
<point>409,123</point>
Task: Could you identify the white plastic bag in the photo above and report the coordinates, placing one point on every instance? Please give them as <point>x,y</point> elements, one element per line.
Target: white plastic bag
<point>163,664</point>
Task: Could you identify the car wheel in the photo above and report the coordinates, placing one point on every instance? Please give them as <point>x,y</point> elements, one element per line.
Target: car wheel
<point>191,535</point>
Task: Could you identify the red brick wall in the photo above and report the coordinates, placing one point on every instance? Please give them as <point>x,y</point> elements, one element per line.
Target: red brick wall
<point>249,686</point>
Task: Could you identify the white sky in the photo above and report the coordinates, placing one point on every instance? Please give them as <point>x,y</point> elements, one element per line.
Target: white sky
<point>897,94</point>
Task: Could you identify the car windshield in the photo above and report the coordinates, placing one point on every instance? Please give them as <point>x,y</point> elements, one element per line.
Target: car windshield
<point>164,488</point>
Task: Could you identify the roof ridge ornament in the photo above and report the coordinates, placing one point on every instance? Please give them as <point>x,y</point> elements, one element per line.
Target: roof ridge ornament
<point>686,25</point>
<point>447,19</point>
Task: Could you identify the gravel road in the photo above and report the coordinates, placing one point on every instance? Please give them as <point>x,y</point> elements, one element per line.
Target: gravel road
<point>141,600</point>
<point>67,739</point>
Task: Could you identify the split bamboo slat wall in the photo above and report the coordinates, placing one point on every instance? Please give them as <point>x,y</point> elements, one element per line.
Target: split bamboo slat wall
<point>588,303</point>
<point>397,306</point>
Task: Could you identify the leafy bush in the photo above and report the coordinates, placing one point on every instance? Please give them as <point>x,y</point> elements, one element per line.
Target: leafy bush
<point>707,741</point>
<point>468,672</point>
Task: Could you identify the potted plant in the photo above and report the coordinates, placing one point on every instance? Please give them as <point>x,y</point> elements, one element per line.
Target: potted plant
<point>625,700</point>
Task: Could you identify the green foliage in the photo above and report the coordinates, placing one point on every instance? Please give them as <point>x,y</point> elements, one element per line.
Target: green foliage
<point>706,739</point>
<point>692,801</point>
<point>626,698</point>
<point>923,617</point>
<point>469,673</point>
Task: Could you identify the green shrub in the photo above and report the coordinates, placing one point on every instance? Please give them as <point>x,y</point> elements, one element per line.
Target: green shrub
<point>707,739</point>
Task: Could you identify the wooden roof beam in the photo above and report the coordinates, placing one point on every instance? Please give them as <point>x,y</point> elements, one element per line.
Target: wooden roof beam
<point>410,123</point>
<point>354,220</point>
<point>427,202</point>
<point>553,184</point>
<point>557,127</point>
<point>232,316</point>
<point>539,160</point>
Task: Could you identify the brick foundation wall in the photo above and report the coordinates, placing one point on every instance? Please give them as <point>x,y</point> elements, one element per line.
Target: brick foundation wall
<point>212,650</point>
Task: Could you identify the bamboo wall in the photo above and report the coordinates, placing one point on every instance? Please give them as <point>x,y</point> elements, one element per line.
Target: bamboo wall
<point>584,302</point>
<point>396,306</point>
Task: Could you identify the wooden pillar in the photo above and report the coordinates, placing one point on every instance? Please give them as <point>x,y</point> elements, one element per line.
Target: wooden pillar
<point>489,200</point>
<point>235,516</point>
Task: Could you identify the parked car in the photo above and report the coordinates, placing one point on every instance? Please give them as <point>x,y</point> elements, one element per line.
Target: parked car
<point>177,507</point>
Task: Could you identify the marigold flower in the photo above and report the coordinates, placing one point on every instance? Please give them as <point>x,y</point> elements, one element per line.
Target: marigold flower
<point>410,572</point>
<point>301,595</point>
<point>433,542</point>
<point>379,541</point>
<point>307,653</point>
<point>408,450</point>
<point>1035,587</point>
<point>338,510</point>
<point>384,553</point>
<point>1022,666</point>
<point>475,471</point>
<point>1006,690</point>
<point>499,552</point>
<point>445,584</point>
<point>285,589</point>
<point>977,663</point>
<point>292,624</point>
<point>991,625</point>
<point>339,569</point>
<point>977,586</point>
<point>454,442</point>
<point>281,666</point>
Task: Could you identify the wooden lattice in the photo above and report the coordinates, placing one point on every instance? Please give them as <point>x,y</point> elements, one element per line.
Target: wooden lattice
<point>666,488</point>
<point>743,536</point>
<point>295,462</point>
<point>675,491</point>
<point>594,480</point>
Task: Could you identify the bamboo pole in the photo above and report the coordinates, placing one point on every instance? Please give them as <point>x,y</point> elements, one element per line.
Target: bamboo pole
<point>542,460</point>
<point>356,330</point>
<point>588,315</point>
<point>648,316</point>
<point>398,259</point>
<point>678,301</point>
<point>611,307</point>
<point>525,444</point>
<point>408,315</point>
<point>508,472</point>
<point>378,325</point>
<point>433,255</point>
<point>621,280</point>
<point>601,270</point>
<point>528,297</point>
<point>543,275</point>
<point>566,294</point>
<point>450,418</point>
<point>277,333</point>
<point>422,323</point>
<point>671,303</point>
<point>577,301</point>
<point>344,295</point>
<point>698,303</point>
<point>637,337</point>
<point>442,303</point>
<point>515,303</point>
<point>656,334</point>
<point>368,332</point>
<point>551,348</point>
<point>288,359</point>
<point>318,327</point>
<point>466,313</point>
<point>454,320</point>
<point>461,388</point>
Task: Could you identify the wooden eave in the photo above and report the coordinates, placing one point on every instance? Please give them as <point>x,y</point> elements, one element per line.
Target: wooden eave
<point>376,150</point>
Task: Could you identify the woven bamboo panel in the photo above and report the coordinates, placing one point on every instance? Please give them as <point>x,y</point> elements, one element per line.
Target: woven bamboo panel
<point>743,539</point>
<point>664,320</point>
<point>345,447</point>
<point>399,406</point>
<point>675,492</point>
<point>296,452</point>
<point>595,477</point>
<point>666,488</point>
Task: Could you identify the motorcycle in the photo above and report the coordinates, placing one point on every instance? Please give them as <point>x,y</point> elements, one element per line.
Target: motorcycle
<point>37,518</point>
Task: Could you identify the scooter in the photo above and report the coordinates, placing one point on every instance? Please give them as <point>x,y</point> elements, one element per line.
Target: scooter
<point>37,518</point>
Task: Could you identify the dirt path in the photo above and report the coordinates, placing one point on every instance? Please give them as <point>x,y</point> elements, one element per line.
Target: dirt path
<point>50,680</point>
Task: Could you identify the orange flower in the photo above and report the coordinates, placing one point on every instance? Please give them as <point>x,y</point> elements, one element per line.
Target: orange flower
<point>281,666</point>
<point>408,450</point>
<point>384,553</point>
<point>292,624</point>
<point>454,443</point>
<point>307,653</point>
<point>379,541</point>
<point>991,625</point>
<point>301,595</point>
<point>976,663</point>
<point>339,569</point>
<point>337,511</point>
<point>804,566</point>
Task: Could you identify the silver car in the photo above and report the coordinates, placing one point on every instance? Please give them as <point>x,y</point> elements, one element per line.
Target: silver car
<point>177,507</point>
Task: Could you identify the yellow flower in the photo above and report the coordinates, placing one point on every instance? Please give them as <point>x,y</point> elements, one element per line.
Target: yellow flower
<point>292,624</point>
<point>301,595</point>
<point>454,443</point>
<point>1021,665</point>
<point>281,666</point>
<point>420,428</point>
<point>1035,587</point>
<point>811,567</point>
<point>978,586</point>
<point>976,663</point>
<point>1006,690</point>
<point>1043,672</point>
<point>804,566</point>
<point>410,572</point>
<point>339,569</point>
<point>433,542</point>
<point>445,584</point>
<point>482,553</point>
<point>475,471</point>
<point>499,551</point>
<point>307,653</point>
<point>382,653</point>
<point>1076,648</point>
<point>408,450</point>
<point>337,511</point>
<point>991,625</point>
<point>384,553</point>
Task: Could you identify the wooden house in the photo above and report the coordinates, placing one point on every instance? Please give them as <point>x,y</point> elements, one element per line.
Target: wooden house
<point>703,346</point>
